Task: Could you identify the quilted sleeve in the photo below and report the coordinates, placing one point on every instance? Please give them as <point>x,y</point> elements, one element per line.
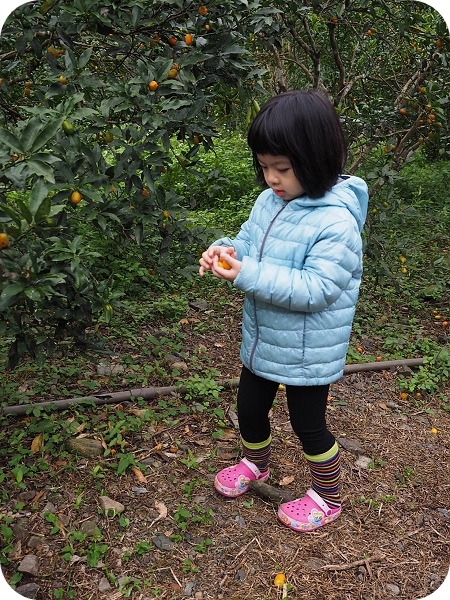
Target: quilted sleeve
<point>329,266</point>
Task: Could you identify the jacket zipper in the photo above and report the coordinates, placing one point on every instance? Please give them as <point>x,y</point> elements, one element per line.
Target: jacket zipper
<point>266,235</point>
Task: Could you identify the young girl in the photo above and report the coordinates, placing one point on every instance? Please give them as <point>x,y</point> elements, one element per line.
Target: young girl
<point>298,259</point>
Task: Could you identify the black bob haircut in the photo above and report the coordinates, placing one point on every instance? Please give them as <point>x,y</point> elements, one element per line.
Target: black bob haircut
<point>304,126</point>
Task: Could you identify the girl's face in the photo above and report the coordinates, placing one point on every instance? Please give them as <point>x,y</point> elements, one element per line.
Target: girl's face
<point>280,176</point>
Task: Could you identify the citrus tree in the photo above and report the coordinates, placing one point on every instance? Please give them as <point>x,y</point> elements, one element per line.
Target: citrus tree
<point>98,100</point>
<point>385,66</point>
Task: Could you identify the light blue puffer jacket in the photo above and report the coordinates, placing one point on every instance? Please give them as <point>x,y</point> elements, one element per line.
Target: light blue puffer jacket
<point>301,273</point>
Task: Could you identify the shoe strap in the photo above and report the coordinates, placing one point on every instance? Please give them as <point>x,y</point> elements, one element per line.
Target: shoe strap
<point>319,501</point>
<point>253,468</point>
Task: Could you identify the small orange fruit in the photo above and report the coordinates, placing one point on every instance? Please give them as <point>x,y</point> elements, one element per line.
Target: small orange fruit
<point>403,395</point>
<point>279,580</point>
<point>145,192</point>
<point>4,240</point>
<point>27,91</point>
<point>203,10</point>
<point>75,197</point>
<point>172,73</point>
<point>62,80</point>
<point>166,214</point>
<point>153,85</point>
<point>403,111</point>
<point>188,39</point>
<point>439,43</point>
<point>172,40</point>
<point>444,323</point>
<point>224,265</point>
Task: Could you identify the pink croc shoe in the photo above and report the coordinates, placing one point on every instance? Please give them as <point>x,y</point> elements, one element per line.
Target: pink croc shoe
<point>307,513</point>
<point>234,481</point>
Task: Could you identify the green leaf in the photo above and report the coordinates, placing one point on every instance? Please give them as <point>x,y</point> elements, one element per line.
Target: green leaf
<point>47,133</point>
<point>43,170</point>
<point>33,294</point>
<point>30,133</point>
<point>14,289</point>
<point>44,209</point>
<point>38,194</point>
<point>9,139</point>
<point>85,58</point>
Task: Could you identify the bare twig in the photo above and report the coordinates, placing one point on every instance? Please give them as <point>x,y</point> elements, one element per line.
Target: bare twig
<point>356,563</point>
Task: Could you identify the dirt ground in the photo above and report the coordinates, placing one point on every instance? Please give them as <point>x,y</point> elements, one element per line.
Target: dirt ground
<point>392,539</point>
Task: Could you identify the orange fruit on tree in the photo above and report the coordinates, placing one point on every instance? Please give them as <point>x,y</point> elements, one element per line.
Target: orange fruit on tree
<point>203,10</point>
<point>62,80</point>
<point>172,73</point>
<point>4,240</point>
<point>439,43</point>
<point>145,192</point>
<point>153,85</point>
<point>75,197</point>
<point>27,91</point>
<point>166,214</point>
<point>403,111</point>
<point>188,39</point>
<point>172,40</point>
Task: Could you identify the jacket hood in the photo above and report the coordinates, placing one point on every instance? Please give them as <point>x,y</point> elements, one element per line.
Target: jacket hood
<point>350,192</point>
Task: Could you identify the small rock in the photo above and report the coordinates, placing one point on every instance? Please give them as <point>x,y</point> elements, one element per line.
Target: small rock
<point>104,585</point>
<point>363,462</point>
<point>240,521</point>
<point>180,365</point>
<point>240,575</point>
<point>49,507</point>
<point>88,527</point>
<point>104,370</point>
<point>28,495</point>
<point>29,590</point>
<point>108,505</point>
<point>29,564</point>
<point>189,588</point>
<point>198,596</point>
<point>352,446</point>
<point>36,540</point>
<point>85,447</point>
<point>139,490</point>
<point>163,542</point>
<point>313,564</point>
<point>19,530</point>
<point>393,589</point>
<point>199,305</point>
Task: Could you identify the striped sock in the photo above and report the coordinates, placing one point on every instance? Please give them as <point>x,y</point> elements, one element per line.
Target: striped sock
<point>325,472</point>
<point>258,454</point>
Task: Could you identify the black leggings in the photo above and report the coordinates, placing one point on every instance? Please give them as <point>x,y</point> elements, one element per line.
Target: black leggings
<point>307,406</point>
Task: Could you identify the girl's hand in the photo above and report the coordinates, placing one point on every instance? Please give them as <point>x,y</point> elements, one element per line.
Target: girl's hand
<point>232,268</point>
<point>207,259</point>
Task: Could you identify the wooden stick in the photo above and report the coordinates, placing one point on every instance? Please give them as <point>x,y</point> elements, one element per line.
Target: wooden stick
<point>268,491</point>
<point>356,563</point>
